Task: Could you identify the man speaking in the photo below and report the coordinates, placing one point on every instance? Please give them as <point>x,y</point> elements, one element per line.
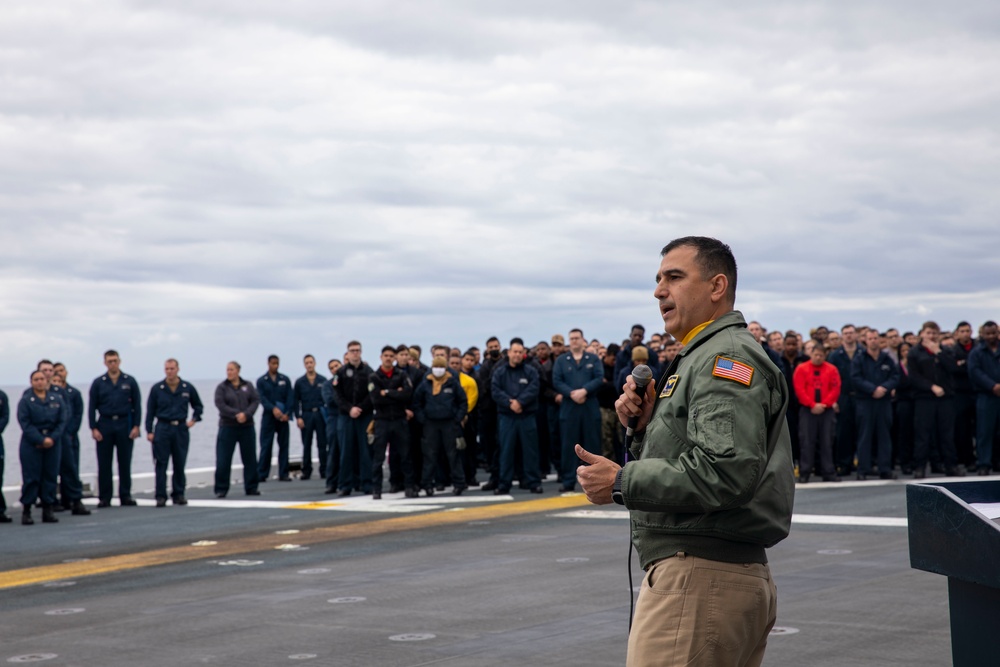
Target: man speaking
<point>709,485</point>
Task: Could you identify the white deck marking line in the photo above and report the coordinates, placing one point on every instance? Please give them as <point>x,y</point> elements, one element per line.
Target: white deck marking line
<point>401,505</point>
<point>813,519</point>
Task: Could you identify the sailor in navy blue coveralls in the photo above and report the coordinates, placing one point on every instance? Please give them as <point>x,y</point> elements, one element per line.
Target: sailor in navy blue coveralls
<point>42,415</point>
<point>309,416</point>
<point>115,396</point>
<point>168,402</point>
<point>278,399</point>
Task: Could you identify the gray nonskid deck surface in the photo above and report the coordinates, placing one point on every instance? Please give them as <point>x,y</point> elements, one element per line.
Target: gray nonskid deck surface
<point>538,589</point>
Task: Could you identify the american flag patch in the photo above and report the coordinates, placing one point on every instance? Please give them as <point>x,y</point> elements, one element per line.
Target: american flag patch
<point>731,369</point>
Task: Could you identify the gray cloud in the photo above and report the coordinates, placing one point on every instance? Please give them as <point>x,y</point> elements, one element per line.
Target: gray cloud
<point>217,179</point>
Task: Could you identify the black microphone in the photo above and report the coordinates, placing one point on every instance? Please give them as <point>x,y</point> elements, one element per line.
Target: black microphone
<point>641,375</point>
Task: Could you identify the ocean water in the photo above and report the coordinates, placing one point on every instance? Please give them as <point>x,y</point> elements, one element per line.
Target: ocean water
<point>201,453</point>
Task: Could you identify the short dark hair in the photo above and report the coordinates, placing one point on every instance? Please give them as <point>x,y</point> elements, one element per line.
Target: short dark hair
<point>930,324</point>
<point>35,372</point>
<point>272,357</point>
<point>614,348</point>
<point>988,323</point>
<point>639,326</point>
<point>353,342</point>
<point>111,353</point>
<point>517,340</point>
<point>389,348</point>
<point>401,348</point>
<point>580,331</point>
<point>491,339</point>
<point>308,356</point>
<point>713,256</point>
<point>43,361</point>
<point>963,323</point>
<point>417,348</point>
<point>846,326</point>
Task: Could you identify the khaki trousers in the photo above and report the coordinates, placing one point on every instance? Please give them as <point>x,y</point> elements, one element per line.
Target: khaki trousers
<point>693,611</point>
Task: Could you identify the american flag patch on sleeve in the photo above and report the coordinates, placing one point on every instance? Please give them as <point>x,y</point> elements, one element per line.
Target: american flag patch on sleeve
<point>730,369</point>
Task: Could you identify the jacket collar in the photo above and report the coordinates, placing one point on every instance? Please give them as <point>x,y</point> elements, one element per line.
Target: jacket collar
<point>731,319</point>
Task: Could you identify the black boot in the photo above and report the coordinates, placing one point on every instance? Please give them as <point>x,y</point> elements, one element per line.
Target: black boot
<point>26,519</point>
<point>78,509</point>
<point>4,518</point>
<point>47,515</point>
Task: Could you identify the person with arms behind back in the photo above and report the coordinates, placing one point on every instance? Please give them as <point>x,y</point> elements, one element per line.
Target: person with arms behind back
<point>237,401</point>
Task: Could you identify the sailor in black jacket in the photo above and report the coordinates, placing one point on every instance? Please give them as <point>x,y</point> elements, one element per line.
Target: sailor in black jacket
<point>931,371</point>
<point>390,390</point>
<point>351,387</point>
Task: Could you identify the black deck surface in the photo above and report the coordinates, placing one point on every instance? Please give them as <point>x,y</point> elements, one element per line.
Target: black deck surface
<point>546,587</point>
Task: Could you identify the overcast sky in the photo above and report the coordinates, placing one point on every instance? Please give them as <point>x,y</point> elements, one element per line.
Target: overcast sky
<point>222,180</point>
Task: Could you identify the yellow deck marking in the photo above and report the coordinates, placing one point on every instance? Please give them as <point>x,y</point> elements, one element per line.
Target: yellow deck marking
<point>180,554</point>
<point>313,506</point>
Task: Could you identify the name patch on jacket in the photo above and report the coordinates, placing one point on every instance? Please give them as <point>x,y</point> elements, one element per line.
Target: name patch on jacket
<point>668,388</point>
<point>730,369</point>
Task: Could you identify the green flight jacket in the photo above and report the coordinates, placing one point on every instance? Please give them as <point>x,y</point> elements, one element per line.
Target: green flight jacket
<point>713,471</point>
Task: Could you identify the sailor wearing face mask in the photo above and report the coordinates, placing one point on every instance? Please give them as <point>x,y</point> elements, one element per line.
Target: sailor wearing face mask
<point>440,405</point>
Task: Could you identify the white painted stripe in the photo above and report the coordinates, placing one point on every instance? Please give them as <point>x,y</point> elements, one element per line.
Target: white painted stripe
<point>833,520</point>
<point>400,505</point>
<point>871,483</point>
<point>813,519</point>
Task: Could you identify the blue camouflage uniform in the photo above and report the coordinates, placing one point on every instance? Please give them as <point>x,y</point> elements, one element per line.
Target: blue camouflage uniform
<point>276,392</point>
<point>41,418</point>
<point>520,383</point>
<point>309,408</point>
<point>578,422</point>
<point>120,408</point>
<point>171,437</point>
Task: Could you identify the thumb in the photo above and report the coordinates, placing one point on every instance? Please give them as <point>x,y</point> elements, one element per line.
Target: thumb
<point>586,456</point>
